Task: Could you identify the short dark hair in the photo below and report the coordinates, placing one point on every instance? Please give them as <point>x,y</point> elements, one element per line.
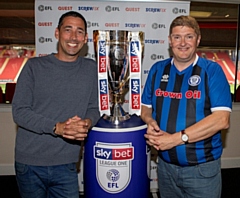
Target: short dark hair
<point>73,14</point>
<point>185,21</point>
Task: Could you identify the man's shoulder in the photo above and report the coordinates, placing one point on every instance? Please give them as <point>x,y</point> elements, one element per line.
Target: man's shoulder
<point>39,58</point>
<point>161,63</point>
<point>208,65</point>
<point>88,60</point>
<point>204,62</point>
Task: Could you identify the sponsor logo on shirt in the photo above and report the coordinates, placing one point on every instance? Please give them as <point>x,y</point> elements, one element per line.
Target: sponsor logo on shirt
<point>165,78</point>
<point>194,80</point>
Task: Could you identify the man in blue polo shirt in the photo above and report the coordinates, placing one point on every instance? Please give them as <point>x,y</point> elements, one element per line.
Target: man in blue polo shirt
<point>186,103</point>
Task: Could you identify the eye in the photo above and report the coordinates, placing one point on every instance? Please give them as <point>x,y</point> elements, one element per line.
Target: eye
<point>67,29</point>
<point>176,37</point>
<point>190,37</point>
<point>81,32</point>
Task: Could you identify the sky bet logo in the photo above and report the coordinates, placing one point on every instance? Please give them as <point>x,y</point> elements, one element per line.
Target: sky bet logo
<point>113,153</point>
<point>115,162</point>
<point>103,94</point>
<point>102,57</point>
<point>135,91</point>
<point>134,52</point>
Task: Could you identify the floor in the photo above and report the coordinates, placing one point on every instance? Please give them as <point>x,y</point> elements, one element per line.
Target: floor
<point>230,185</point>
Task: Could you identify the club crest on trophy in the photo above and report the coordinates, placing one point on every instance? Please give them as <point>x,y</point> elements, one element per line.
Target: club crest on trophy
<point>119,56</point>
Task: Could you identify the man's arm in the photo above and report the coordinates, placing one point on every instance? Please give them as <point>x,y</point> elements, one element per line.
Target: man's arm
<point>201,130</point>
<point>146,114</point>
<point>208,126</point>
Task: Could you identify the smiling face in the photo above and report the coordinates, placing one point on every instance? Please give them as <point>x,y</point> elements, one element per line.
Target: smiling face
<point>71,38</point>
<point>184,41</point>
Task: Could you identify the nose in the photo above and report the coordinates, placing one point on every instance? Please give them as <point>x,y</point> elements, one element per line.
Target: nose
<point>182,40</point>
<point>74,35</point>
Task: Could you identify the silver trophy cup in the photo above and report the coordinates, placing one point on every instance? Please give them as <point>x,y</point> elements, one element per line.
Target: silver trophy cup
<point>117,45</point>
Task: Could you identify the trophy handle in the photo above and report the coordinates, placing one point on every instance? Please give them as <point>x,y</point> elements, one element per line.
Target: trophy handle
<point>123,83</point>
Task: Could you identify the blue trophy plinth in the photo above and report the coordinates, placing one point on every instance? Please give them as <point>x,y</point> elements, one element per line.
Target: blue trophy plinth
<point>117,160</point>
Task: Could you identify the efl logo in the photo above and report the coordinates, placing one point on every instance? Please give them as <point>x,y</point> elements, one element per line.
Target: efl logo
<point>179,11</point>
<point>103,94</point>
<point>135,91</point>
<point>113,154</point>
<point>135,53</point>
<point>115,162</point>
<point>110,8</point>
<point>160,26</point>
<point>41,8</point>
<point>157,56</point>
<point>45,40</point>
<point>102,62</point>
<point>92,24</point>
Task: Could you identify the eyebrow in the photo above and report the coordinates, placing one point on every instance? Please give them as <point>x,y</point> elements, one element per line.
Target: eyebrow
<point>69,26</point>
<point>184,34</point>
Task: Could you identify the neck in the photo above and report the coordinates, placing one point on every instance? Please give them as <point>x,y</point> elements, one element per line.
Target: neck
<point>183,64</point>
<point>66,58</point>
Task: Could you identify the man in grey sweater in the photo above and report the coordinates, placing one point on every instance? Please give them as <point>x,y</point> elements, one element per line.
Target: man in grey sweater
<point>55,104</point>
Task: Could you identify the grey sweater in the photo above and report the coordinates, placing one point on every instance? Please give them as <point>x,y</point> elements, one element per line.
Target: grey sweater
<point>49,91</point>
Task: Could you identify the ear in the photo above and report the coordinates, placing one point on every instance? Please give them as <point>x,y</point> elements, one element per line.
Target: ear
<point>169,41</point>
<point>86,38</point>
<point>57,33</point>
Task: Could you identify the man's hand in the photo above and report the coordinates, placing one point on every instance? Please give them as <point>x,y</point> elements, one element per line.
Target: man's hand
<point>153,131</point>
<point>74,128</point>
<point>163,140</point>
<point>159,139</point>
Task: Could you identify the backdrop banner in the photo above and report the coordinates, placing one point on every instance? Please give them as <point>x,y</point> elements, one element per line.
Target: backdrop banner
<point>151,17</point>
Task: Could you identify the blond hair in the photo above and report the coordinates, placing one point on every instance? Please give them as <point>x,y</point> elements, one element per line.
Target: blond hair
<point>185,21</point>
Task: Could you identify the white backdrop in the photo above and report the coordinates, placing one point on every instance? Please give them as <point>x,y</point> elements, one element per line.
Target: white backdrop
<point>151,17</point>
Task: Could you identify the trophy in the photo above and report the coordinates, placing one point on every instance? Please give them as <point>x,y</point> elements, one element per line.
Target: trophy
<point>119,57</point>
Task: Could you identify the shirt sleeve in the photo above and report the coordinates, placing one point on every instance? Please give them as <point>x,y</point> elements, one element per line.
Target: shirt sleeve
<point>220,95</point>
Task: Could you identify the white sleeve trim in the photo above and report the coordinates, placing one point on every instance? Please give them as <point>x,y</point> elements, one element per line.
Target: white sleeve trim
<point>148,106</point>
<point>221,109</point>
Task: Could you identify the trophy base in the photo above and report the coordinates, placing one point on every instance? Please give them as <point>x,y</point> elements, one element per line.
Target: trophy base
<point>116,120</point>
<point>118,115</point>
